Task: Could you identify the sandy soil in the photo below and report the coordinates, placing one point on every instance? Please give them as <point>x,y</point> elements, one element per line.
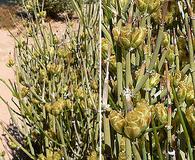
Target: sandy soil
<point>7,14</point>
<point>6,47</point>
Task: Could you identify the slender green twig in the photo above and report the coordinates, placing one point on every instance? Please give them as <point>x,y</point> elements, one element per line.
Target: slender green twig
<point>182,122</point>
<point>107,133</point>
<point>143,148</point>
<point>157,144</point>
<point>152,62</point>
<point>17,143</point>
<point>169,147</point>
<point>128,100</point>
<point>191,50</point>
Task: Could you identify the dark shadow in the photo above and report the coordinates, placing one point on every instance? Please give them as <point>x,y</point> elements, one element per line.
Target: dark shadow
<point>17,153</point>
<point>107,153</point>
<point>16,10</point>
<point>55,17</point>
<point>7,2</point>
<point>8,17</point>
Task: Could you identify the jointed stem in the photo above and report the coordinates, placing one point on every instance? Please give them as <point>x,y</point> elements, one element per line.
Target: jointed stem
<point>169,108</point>
<point>128,82</point>
<point>183,123</point>
<point>152,63</point>
<point>157,141</point>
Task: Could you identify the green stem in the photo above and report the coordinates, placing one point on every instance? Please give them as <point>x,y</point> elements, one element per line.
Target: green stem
<point>137,62</point>
<point>61,137</point>
<point>17,143</point>
<point>128,149</point>
<point>119,81</point>
<point>193,25</point>
<point>152,129</point>
<point>152,62</point>
<point>182,123</point>
<point>136,152</point>
<point>162,60</point>
<point>157,144</point>
<point>191,13</point>
<point>107,133</point>
<point>176,52</point>
<point>169,108</point>
<point>191,51</point>
<point>162,95</point>
<point>107,138</point>
<point>119,75</point>
<point>143,148</point>
<point>128,82</point>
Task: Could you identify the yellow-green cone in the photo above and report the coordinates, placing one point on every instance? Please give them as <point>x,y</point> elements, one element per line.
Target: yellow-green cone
<point>170,55</point>
<point>117,121</point>
<point>122,152</point>
<point>181,91</point>
<point>166,39</point>
<point>190,116</point>
<point>160,112</point>
<point>125,37</point>
<point>116,33</point>
<point>24,91</point>
<point>105,45</point>
<point>190,95</point>
<point>154,80</point>
<point>137,120</point>
<point>52,155</point>
<point>93,156</point>
<point>148,6</point>
<point>138,37</point>
<point>141,103</point>
<point>153,5</point>
<point>10,62</point>
<point>177,78</point>
<point>142,5</point>
<point>124,4</point>
<point>41,157</point>
<point>57,107</point>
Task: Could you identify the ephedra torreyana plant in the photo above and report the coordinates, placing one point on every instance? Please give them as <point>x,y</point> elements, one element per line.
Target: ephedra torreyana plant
<point>56,89</point>
<point>148,100</point>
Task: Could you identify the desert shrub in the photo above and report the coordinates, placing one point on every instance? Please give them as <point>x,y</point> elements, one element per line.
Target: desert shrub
<point>56,90</point>
<point>149,88</point>
<point>53,8</point>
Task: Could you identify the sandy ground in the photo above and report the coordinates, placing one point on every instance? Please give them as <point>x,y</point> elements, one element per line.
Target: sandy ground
<point>6,47</point>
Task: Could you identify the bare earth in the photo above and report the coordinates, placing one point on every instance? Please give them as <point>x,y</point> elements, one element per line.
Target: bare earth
<point>6,46</point>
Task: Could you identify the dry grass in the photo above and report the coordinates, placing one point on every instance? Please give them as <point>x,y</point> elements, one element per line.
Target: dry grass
<point>8,16</point>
